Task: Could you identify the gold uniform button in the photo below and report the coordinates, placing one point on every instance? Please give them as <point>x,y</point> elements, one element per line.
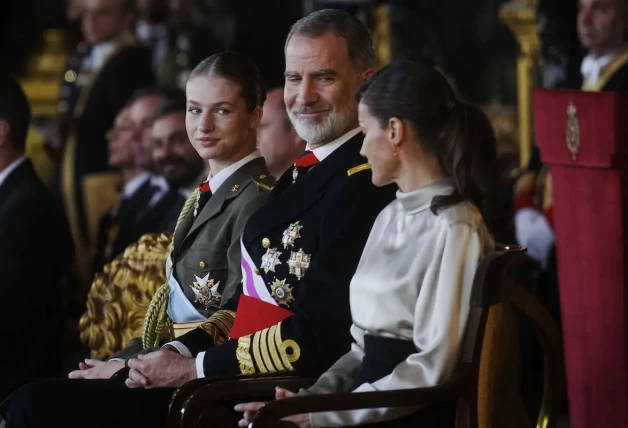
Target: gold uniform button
<point>263,176</point>
<point>265,242</point>
<point>202,265</point>
<point>257,272</point>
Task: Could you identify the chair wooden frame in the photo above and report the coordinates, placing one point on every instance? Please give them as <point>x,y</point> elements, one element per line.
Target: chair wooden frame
<point>488,285</point>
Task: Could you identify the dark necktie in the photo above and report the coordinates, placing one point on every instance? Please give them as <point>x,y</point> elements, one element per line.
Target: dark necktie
<point>204,193</point>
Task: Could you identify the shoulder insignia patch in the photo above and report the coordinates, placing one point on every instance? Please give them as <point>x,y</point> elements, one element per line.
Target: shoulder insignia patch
<point>264,186</point>
<point>358,168</point>
<point>264,181</point>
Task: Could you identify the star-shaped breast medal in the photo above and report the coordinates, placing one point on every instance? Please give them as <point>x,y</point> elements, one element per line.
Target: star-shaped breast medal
<point>291,234</point>
<point>206,291</point>
<point>299,263</point>
<point>270,260</point>
<point>282,292</point>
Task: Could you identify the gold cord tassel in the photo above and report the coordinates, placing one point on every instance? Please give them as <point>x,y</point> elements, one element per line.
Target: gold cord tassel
<point>157,314</point>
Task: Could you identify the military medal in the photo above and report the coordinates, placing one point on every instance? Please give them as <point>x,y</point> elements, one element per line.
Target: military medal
<point>299,263</point>
<point>282,292</point>
<point>206,291</point>
<point>291,234</point>
<point>196,205</point>
<point>295,174</point>
<point>306,160</point>
<point>270,260</point>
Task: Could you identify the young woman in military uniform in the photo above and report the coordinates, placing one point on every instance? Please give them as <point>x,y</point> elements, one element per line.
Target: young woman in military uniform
<point>225,96</point>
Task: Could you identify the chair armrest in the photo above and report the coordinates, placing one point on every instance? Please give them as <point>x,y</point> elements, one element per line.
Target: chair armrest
<point>272,413</point>
<point>190,401</point>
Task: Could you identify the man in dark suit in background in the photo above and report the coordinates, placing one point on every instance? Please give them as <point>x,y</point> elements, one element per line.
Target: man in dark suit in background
<point>103,73</point>
<point>35,255</point>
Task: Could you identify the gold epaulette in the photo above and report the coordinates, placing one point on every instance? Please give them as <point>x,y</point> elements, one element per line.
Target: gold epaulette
<point>264,181</point>
<point>358,168</point>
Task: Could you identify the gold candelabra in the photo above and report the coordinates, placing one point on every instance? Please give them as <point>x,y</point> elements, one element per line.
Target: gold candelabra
<point>521,18</point>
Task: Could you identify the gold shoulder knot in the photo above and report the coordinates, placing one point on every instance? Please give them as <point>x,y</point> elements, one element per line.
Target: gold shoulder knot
<point>356,169</point>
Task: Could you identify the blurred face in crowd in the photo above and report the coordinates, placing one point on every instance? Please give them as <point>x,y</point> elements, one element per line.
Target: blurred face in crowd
<point>152,10</point>
<point>320,87</point>
<point>219,125</point>
<point>181,11</point>
<point>120,141</point>
<point>73,9</point>
<point>600,25</point>
<point>276,138</point>
<point>173,155</point>
<point>141,113</point>
<point>102,20</point>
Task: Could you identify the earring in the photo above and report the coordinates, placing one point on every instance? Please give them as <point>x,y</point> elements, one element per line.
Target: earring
<point>395,149</point>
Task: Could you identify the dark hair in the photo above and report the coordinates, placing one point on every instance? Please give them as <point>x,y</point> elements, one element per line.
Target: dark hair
<point>15,109</point>
<point>148,91</point>
<point>169,106</point>
<point>342,24</point>
<point>457,132</point>
<point>238,69</point>
<point>282,105</point>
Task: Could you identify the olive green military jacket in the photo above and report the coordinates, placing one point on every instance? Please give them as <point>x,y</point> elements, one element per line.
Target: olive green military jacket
<point>204,268</point>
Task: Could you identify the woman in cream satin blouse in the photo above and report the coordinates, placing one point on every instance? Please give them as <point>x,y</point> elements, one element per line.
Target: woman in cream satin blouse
<point>410,295</point>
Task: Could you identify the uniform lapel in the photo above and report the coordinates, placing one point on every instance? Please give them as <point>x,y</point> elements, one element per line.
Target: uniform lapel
<point>230,189</point>
<point>289,200</point>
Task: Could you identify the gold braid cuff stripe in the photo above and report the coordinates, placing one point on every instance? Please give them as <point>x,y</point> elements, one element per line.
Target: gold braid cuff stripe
<point>244,356</point>
<point>219,325</point>
<point>273,354</point>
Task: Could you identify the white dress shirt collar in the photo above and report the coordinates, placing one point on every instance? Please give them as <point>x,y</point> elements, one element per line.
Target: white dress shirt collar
<point>133,185</point>
<point>97,56</point>
<point>216,181</point>
<point>146,32</point>
<point>322,152</point>
<point>592,67</point>
<point>9,169</point>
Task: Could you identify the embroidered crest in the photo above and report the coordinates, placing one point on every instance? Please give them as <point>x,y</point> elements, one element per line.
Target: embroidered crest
<point>572,131</point>
<point>206,291</point>
<point>291,234</point>
<point>270,260</point>
<point>299,263</point>
<point>282,292</point>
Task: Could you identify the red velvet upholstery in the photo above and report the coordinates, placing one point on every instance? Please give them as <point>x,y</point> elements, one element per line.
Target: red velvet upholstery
<point>590,225</point>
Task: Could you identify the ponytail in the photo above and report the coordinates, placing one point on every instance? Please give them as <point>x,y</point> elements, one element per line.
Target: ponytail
<point>467,152</point>
<point>458,133</point>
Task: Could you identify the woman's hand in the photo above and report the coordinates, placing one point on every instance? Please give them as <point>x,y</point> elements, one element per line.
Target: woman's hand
<point>250,410</point>
<point>96,369</point>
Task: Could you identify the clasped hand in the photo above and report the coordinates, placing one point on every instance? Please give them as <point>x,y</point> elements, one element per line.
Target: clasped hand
<point>250,410</point>
<point>163,368</point>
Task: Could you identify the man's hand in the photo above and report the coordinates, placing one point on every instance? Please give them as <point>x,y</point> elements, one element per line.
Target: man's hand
<point>163,368</point>
<point>96,369</point>
<point>251,409</point>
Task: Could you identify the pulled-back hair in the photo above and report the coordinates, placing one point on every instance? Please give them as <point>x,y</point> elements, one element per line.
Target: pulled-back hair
<point>458,133</point>
<point>238,69</point>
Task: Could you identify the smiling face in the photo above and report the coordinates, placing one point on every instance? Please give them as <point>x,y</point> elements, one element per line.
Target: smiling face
<point>218,124</point>
<point>320,87</point>
<point>173,155</point>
